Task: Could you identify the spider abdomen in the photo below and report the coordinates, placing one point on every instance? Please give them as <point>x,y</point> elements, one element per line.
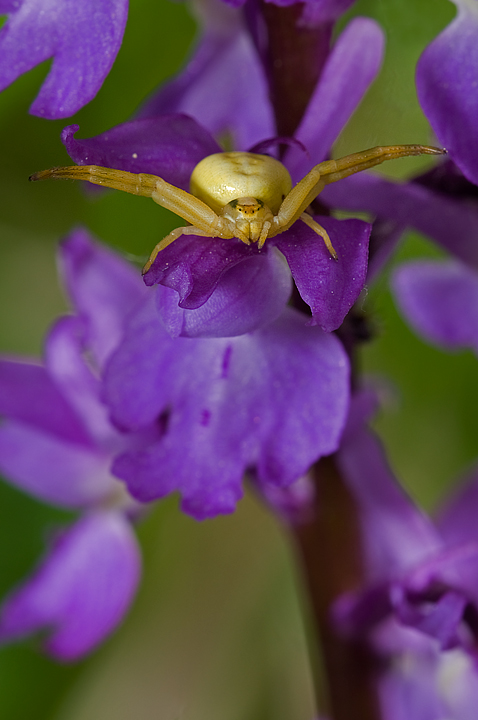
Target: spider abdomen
<point>218,179</point>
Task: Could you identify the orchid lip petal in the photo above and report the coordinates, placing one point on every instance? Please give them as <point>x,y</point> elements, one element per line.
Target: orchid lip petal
<point>226,433</point>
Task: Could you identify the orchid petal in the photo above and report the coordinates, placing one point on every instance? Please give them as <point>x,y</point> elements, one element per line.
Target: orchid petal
<point>440,301</point>
<point>103,289</point>
<point>397,535</point>
<point>193,266</point>
<point>28,394</point>
<point>352,65</point>
<point>82,38</point>
<point>452,222</point>
<point>64,359</point>
<point>81,591</point>
<point>217,84</point>
<point>248,296</point>
<point>52,469</point>
<point>446,86</point>
<point>272,424</point>
<point>169,146</point>
<point>457,518</point>
<point>330,287</point>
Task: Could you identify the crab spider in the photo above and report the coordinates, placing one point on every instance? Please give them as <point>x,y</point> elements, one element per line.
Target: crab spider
<point>238,194</point>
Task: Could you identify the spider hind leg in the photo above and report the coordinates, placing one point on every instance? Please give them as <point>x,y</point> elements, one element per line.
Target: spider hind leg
<point>309,220</point>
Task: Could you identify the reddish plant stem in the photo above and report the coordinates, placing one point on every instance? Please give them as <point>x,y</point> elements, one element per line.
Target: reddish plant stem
<point>329,546</point>
<point>294,56</point>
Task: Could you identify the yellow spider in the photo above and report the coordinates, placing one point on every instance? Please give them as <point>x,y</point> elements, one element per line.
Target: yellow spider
<point>238,194</point>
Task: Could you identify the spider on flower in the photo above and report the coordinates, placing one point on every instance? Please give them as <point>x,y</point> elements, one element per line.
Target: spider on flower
<point>238,194</point>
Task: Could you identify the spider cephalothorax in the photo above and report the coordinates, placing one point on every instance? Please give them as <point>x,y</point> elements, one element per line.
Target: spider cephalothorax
<point>238,194</point>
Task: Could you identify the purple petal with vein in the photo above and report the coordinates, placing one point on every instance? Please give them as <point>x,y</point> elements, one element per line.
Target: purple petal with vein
<point>440,301</point>
<point>352,65</point>
<point>446,83</point>
<point>289,411</point>
<point>248,296</point>
<point>82,589</point>
<point>169,146</point>
<point>330,287</point>
<point>83,39</point>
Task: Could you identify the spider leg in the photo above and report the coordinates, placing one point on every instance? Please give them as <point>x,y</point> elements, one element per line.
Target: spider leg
<point>333,170</point>
<point>192,209</point>
<point>297,201</point>
<point>173,235</point>
<point>305,217</point>
<point>179,201</point>
<point>264,234</point>
<point>330,171</point>
<point>141,184</point>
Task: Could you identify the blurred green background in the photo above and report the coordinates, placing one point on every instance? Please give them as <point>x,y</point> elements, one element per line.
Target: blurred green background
<point>216,631</point>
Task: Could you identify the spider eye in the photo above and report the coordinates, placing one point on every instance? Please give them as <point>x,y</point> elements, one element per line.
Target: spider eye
<point>247,206</point>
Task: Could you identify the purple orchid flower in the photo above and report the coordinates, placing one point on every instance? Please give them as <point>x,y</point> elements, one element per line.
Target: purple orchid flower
<point>198,269</point>
<point>419,606</point>
<point>57,444</point>
<point>447,90</point>
<point>271,402</point>
<point>82,38</point>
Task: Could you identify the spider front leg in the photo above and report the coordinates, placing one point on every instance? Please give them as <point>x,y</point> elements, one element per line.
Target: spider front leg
<point>173,235</point>
<point>203,219</point>
<point>333,170</point>
<point>179,201</point>
<point>330,171</point>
